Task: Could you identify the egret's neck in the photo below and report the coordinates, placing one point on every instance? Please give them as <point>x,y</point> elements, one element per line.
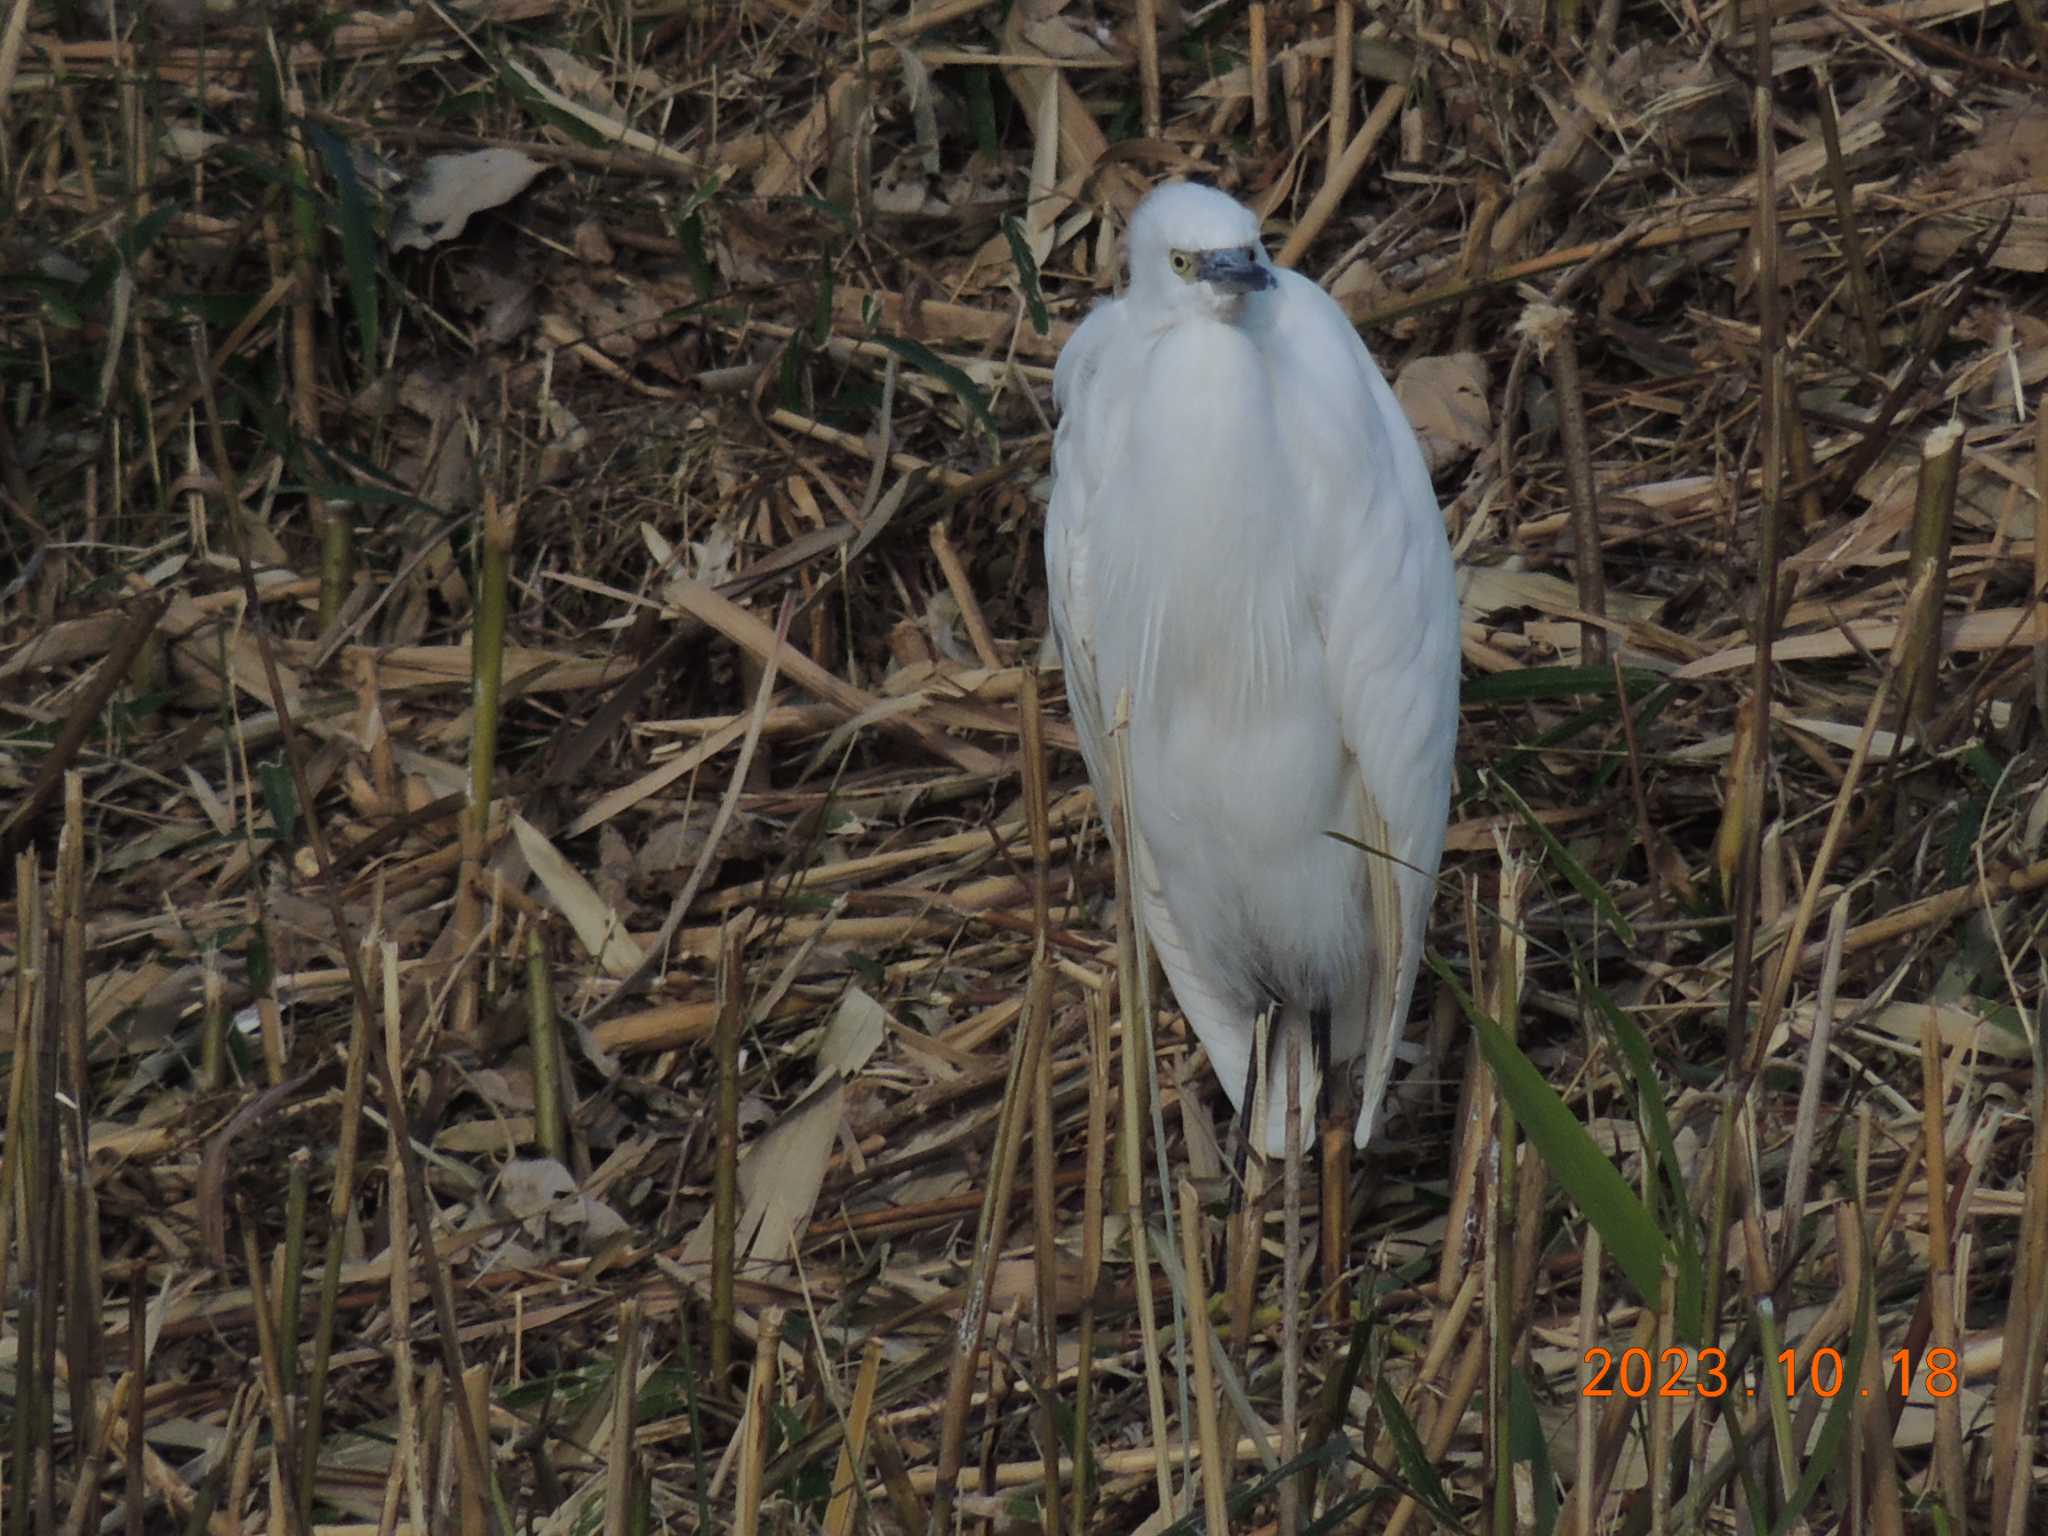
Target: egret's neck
<point>1207,447</point>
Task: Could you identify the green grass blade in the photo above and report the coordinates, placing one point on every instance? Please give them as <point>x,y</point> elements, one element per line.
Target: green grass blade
<point>1526,1444</point>
<point>127,251</point>
<point>358,248</point>
<point>1421,1477</point>
<point>1834,1430</point>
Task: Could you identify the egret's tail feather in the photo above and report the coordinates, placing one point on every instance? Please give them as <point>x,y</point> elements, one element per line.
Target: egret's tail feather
<point>1266,1104</point>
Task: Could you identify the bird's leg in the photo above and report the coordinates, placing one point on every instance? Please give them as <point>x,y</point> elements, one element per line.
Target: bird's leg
<point>1319,1048</point>
<point>1241,1257</point>
<point>1241,1126</point>
<point>1336,1166</point>
<point>1290,1291</point>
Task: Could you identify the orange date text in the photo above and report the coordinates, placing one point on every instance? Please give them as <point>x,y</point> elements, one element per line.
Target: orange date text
<point>1704,1372</point>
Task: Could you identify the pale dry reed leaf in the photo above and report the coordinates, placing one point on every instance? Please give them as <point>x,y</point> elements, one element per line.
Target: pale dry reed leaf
<point>1444,397</point>
<point>858,1027</point>
<point>1992,629</point>
<point>596,924</point>
<point>780,1176</point>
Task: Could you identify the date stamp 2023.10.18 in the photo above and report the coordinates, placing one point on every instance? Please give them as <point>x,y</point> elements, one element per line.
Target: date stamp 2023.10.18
<point>1704,1372</point>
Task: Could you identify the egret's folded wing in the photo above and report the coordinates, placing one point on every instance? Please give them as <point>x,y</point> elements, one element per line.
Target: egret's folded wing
<point>1374,542</point>
<point>1078,456</point>
<point>1390,979</point>
<point>1094,405</point>
<point>1225,1033</point>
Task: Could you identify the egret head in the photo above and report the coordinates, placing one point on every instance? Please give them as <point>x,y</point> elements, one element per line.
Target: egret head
<point>1196,251</point>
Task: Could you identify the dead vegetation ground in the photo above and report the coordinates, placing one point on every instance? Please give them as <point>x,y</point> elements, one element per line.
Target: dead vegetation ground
<point>364,1156</point>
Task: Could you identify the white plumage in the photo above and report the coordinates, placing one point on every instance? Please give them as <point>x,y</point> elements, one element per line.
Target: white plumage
<point>1244,543</point>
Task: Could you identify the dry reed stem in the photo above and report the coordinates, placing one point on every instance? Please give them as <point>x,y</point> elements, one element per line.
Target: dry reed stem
<point>1044,1222</point>
<point>994,1221</point>
<point>1585,505</point>
<point>1135,1463</point>
<point>1441,1351</point>
<point>1208,1421</point>
<point>753,1433</point>
<point>1334,1186</point>
<point>550,1066</point>
<point>1147,28</point>
<point>1093,1186</point>
<point>1136,1060</point>
<point>85,1309</point>
<point>1343,26</point>
<point>2041,557</point>
<point>1920,641</point>
<point>1879,1485</point>
<point>1324,206</point>
<point>1662,1462</point>
<point>762,642</point>
<point>1504,1214</point>
<point>31,1187</point>
<point>1861,288</point>
<point>1790,955</point>
<point>846,1479</point>
<point>1290,1287</point>
<point>134,1384</point>
<point>1941,1290</point>
<point>2017,1396</point>
<point>725,1199</point>
<point>962,588</point>
<point>1583,1500</point>
<point>1261,73</point>
<point>1806,1123</point>
<point>284,1500</point>
<point>620,1456</point>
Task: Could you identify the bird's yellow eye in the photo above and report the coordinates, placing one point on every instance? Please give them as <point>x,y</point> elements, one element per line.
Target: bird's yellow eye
<point>1182,263</point>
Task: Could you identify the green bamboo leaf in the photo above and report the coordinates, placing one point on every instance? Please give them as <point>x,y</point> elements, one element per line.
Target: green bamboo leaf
<point>1027,275</point>
<point>1573,871</point>
<point>1538,683</point>
<point>981,113</point>
<point>281,799</point>
<point>1594,1184</point>
<point>537,105</point>
<point>925,360</point>
<point>360,495</point>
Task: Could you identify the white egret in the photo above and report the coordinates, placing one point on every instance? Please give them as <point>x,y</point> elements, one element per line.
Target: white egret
<point>1245,552</point>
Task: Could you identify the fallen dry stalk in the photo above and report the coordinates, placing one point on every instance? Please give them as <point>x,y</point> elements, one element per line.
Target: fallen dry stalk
<point>1326,202</point>
<point>1920,641</point>
<point>1585,505</point>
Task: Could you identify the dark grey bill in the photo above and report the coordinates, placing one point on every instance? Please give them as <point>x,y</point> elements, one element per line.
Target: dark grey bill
<point>1234,271</point>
